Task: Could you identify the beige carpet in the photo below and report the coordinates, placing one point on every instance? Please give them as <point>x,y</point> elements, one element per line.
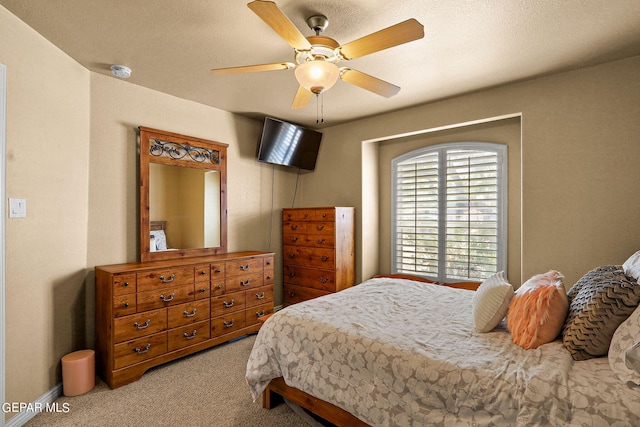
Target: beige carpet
<point>205,389</point>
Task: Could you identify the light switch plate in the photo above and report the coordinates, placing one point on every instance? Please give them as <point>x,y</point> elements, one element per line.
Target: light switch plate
<point>17,208</point>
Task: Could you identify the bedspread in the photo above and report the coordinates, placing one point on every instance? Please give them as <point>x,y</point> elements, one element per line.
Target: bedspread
<point>401,353</point>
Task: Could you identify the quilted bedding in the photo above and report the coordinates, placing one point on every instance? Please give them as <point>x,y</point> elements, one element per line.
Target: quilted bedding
<point>401,353</point>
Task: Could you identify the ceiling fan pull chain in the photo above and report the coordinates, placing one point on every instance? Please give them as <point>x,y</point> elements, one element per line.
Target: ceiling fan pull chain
<point>317,106</point>
<point>322,108</point>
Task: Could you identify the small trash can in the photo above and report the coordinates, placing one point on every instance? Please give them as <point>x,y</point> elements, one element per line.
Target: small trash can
<point>78,372</point>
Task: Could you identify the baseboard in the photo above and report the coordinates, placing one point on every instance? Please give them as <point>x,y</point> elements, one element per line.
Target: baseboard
<point>45,399</point>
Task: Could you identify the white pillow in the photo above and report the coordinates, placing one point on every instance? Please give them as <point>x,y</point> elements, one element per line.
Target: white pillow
<point>161,239</point>
<point>624,351</point>
<point>631,266</point>
<point>491,302</point>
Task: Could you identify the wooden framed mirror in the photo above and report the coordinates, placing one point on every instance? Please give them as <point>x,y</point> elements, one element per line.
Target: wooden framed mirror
<point>183,204</point>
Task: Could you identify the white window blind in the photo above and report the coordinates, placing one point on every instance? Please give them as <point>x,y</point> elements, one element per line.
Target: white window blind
<point>449,211</point>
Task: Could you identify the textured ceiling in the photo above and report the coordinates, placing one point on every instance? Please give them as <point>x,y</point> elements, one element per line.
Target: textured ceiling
<point>171,46</point>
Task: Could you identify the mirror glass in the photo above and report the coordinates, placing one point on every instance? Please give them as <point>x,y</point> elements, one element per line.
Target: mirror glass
<point>182,196</point>
<point>188,201</point>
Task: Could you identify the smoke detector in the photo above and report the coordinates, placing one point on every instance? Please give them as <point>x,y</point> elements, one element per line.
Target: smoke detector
<point>121,71</point>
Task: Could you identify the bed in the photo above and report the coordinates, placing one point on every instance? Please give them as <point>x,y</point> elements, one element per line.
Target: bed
<point>397,352</point>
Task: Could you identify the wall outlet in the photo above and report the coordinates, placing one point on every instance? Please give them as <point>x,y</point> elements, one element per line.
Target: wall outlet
<point>17,208</point>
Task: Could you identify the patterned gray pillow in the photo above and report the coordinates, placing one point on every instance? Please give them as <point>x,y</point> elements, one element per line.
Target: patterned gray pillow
<point>598,303</point>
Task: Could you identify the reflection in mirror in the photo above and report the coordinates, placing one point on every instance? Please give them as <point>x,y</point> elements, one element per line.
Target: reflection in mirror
<point>182,196</point>
<point>188,200</point>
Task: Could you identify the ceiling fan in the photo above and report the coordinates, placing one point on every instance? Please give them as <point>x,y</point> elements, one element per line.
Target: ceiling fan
<point>316,57</point>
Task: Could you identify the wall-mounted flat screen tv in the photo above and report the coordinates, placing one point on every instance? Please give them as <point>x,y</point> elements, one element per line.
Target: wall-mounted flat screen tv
<point>288,144</point>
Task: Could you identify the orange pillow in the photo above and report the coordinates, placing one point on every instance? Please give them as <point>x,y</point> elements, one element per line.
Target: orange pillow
<point>538,310</point>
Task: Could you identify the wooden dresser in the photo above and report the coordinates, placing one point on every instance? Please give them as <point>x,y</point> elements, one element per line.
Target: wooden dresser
<point>318,251</point>
<point>149,313</point>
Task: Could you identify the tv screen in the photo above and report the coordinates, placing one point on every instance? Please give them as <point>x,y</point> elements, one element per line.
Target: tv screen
<point>288,144</point>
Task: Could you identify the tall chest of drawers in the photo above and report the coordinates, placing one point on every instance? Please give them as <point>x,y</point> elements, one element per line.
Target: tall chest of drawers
<point>149,313</point>
<point>318,251</point>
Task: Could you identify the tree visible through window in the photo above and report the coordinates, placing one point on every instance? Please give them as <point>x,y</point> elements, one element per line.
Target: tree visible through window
<point>449,211</point>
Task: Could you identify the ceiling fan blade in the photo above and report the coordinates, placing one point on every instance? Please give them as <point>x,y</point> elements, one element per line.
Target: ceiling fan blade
<point>278,21</point>
<point>253,68</point>
<point>302,98</point>
<point>370,83</point>
<point>395,35</point>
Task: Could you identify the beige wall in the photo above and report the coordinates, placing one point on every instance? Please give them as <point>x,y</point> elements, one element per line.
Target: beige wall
<point>47,164</point>
<point>579,165</point>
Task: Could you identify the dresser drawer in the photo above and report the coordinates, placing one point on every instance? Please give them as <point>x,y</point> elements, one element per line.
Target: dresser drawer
<point>313,278</point>
<point>326,214</point>
<point>227,323</point>
<point>244,266</point>
<point>155,279</point>
<point>124,284</point>
<point>228,303</point>
<point>128,353</point>
<point>312,257</point>
<point>218,269</point>
<point>252,314</point>
<point>190,312</point>
<point>322,228</point>
<point>164,297</point>
<point>203,290</point>
<point>202,273</point>
<point>124,304</point>
<point>246,281</point>
<point>218,288</point>
<point>268,270</point>
<point>294,294</point>
<point>298,214</point>
<point>137,325</point>
<point>188,335</point>
<point>259,296</point>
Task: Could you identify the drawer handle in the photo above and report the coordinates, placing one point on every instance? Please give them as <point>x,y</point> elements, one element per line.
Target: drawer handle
<point>291,255</point>
<point>140,351</point>
<point>125,284</point>
<point>324,215</point>
<point>219,287</point>
<point>260,296</point>
<point>319,241</point>
<point>245,283</point>
<point>319,227</point>
<point>217,270</point>
<point>324,279</point>
<point>169,280</point>
<point>125,305</point>
<point>306,215</point>
<point>228,304</point>
<point>324,258</point>
<point>292,274</point>
<point>170,298</point>
<point>292,294</point>
<point>269,277</point>
<point>203,290</point>
<point>294,227</point>
<point>187,314</point>
<point>268,262</point>
<point>260,314</point>
<point>245,267</point>
<point>146,324</point>
<point>202,273</point>
<point>228,325</point>
<point>293,239</point>
<point>192,336</point>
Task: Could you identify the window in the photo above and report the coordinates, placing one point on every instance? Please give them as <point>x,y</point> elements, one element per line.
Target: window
<point>449,211</point>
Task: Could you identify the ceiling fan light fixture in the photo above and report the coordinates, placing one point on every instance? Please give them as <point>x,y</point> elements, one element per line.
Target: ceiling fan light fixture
<point>317,76</point>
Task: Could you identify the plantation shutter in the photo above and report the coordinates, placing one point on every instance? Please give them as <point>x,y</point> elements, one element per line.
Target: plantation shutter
<point>448,212</point>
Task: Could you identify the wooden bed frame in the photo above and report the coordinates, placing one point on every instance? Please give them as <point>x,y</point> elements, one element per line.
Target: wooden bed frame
<point>277,389</point>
